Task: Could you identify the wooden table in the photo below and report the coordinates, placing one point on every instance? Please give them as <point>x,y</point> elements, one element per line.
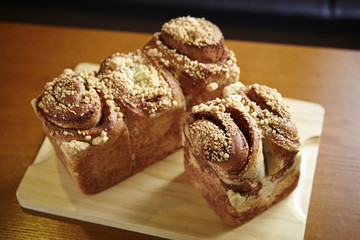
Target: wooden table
<point>31,55</point>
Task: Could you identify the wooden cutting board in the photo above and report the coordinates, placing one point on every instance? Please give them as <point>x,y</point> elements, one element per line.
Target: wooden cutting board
<point>160,200</point>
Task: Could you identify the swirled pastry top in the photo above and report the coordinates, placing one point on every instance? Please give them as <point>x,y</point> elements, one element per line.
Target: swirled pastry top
<point>195,38</point>
<point>71,100</point>
<point>211,137</point>
<point>262,105</point>
<point>194,68</point>
<point>267,106</point>
<point>193,31</point>
<point>137,82</point>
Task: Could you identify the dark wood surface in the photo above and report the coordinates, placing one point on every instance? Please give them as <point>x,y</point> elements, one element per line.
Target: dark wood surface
<point>31,55</point>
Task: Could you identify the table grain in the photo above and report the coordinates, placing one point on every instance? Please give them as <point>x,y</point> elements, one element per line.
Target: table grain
<point>31,55</point>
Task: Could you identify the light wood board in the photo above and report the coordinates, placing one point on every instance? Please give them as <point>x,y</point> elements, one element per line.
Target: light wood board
<point>160,200</point>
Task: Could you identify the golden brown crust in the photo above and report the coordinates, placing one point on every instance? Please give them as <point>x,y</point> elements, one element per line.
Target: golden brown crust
<point>270,171</point>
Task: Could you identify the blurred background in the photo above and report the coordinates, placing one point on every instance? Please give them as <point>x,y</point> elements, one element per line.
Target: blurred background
<point>326,23</point>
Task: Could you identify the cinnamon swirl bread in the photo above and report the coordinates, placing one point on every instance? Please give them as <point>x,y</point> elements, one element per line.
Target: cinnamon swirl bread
<point>86,129</point>
<point>152,102</point>
<point>240,152</point>
<point>193,50</point>
<point>109,125</point>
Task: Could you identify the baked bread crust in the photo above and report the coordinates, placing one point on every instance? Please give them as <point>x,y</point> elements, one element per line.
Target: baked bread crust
<point>193,50</point>
<point>270,170</point>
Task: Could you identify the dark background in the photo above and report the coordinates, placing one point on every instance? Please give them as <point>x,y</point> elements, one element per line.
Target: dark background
<point>327,23</point>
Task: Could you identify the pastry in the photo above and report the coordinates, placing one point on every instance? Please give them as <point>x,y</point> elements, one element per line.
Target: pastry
<point>152,102</point>
<point>110,124</point>
<point>86,129</point>
<point>106,126</point>
<point>240,152</point>
<point>193,50</point>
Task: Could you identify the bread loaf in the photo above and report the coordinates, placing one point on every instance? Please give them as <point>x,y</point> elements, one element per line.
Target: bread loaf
<point>86,129</point>
<point>110,124</point>
<point>240,148</point>
<point>240,151</point>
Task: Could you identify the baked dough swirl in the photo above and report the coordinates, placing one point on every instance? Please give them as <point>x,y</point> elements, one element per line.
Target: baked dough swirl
<point>71,101</point>
<point>196,38</point>
<point>105,126</point>
<point>193,50</point>
<point>87,130</point>
<point>240,151</point>
<point>280,135</point>
<point>110,124</point>
<point>137,83</point>
<point>216,130</point>
<point>152,102</point>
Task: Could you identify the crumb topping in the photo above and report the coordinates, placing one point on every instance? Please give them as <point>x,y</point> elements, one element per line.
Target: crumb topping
<point>212,86</point>
<point>100,140</point>
<point>227,69</point>
<point>71,100</point>
<point>232,89</point>
<point>272,98</point>
<point>280,128</point>
<point>74,149</point>
<point>193,31</point>
<point>215,143</point>
<point>132,78</point>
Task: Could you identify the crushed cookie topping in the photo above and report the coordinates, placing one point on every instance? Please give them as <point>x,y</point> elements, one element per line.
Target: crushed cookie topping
<point>228,70</point>
<point>193,31</point>
<point>144,83</point>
